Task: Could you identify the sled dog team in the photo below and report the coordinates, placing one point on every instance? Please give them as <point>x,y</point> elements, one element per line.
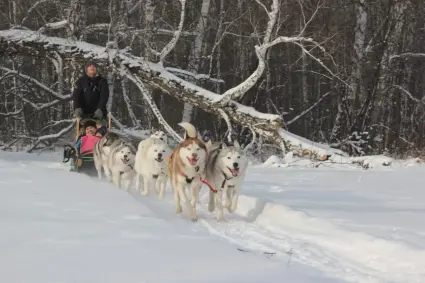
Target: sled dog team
<point>188,166</point>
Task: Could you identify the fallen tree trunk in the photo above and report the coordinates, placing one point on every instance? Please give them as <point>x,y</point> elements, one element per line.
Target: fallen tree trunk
<point>31,43</point>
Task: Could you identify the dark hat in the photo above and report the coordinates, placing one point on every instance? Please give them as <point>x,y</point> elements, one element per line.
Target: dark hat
<point>90,63</point>
<point>89,123</point>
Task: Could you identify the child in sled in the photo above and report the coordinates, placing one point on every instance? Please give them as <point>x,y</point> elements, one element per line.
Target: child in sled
<point>81,152</point>
<point>92,135</point>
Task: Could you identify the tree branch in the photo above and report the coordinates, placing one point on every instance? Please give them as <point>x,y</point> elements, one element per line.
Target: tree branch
<point>140,71</point>
<point>55,25</point>
<point>409,95</point>
<point>407,55</point>
<point>151,103</point>
<point>127,101</point>
<point>9,114</point>
<point>36,82</point>
<point>308,109</point>
<point>229,124</point>
<point>170,46</point>
<point>251,144</point>
<point>51,136</point>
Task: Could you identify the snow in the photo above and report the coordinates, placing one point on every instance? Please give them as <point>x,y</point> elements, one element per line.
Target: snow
<point>194,76</point>
<point>90,50</point>
<point>56,25</point>
<point>305,144</point>
<point>62,227</point>
<point>373,161</point>
<point>324,224</point>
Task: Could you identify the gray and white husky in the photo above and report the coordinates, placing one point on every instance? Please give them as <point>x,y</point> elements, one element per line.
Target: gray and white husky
<point>225,171</point>
<point>121,161</point>
<point>101,153</point>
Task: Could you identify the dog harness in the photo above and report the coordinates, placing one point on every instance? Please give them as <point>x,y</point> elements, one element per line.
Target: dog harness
<point>129,165</point>
<point>225,180</point>
<point>200,178</point>
<point>155,176</point>
<point>208,184</point>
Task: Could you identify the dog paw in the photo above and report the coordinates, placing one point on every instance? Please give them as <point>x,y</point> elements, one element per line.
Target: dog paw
<point>144,193</point>
<point>230,209</point>
<point>211,208</point>
<point>221,219</point>
<point>179,209</point>
<point>194,218</point>
<point>233,208</point>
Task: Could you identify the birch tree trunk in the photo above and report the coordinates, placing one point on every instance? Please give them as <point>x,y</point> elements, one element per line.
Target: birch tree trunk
<point>195,58</point>
<point>357,90</point>
<point>386,78</point>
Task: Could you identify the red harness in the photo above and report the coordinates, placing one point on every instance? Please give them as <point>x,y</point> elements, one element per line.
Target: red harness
<point>206,183</point>
<point>202,180</point>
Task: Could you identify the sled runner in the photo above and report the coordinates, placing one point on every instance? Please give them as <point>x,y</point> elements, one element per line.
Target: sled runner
<point>81,153</point>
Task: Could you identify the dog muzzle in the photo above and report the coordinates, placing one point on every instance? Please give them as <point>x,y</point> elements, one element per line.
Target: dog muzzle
<point>235,171</point>
<point>193,161</point>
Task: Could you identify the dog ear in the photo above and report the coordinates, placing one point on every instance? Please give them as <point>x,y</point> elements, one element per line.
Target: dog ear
<point>236,144</point>
<point>223,145</point>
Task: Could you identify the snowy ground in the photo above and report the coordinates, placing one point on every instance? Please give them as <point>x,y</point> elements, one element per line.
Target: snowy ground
<point>325,225</point>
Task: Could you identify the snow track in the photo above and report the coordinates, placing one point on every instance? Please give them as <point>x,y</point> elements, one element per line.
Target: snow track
<point>297,238</point>
<point>351,256</point>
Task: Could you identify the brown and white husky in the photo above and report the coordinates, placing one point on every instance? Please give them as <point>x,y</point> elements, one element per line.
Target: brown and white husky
<point>186,167</point>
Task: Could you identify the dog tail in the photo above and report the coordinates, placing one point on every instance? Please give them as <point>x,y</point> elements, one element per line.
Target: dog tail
<point>191,131</point>
<point>208,145</point>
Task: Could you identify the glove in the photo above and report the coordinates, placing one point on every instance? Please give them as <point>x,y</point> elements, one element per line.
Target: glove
<point>78,112</point>
<point>101,130</point>
<point>98,114</point>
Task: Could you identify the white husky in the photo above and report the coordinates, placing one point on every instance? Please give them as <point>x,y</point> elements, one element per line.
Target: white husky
<point>186,166</point>
<point>101,153</point>
<point>156,136</point>
<point>225,171</point>
<point>151,165</point>
<point>121,161</point>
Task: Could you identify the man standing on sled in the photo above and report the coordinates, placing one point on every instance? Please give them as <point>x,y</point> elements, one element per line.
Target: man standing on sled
<point>91,95</point>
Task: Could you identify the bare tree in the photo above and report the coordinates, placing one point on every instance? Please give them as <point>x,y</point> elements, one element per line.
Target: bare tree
<point>338,72</point>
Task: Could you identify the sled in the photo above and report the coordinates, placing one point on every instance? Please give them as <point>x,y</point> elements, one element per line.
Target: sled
<point>82,162</point>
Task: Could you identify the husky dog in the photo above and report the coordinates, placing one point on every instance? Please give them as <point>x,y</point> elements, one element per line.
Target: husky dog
<point>225,171</point>
<point>157,135</point>
<point>151,165</point>
<point>101,152</point>
<point>121,161</point>
<point>186,166</point>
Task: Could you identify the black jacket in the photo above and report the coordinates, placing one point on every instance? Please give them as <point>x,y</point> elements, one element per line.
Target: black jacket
<point>91,94</point>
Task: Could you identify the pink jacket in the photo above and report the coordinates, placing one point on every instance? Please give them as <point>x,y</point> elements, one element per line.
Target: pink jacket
<point>87,143</point>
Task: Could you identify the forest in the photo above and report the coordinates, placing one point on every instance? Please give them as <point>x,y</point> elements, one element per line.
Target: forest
<point>346,73</point>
